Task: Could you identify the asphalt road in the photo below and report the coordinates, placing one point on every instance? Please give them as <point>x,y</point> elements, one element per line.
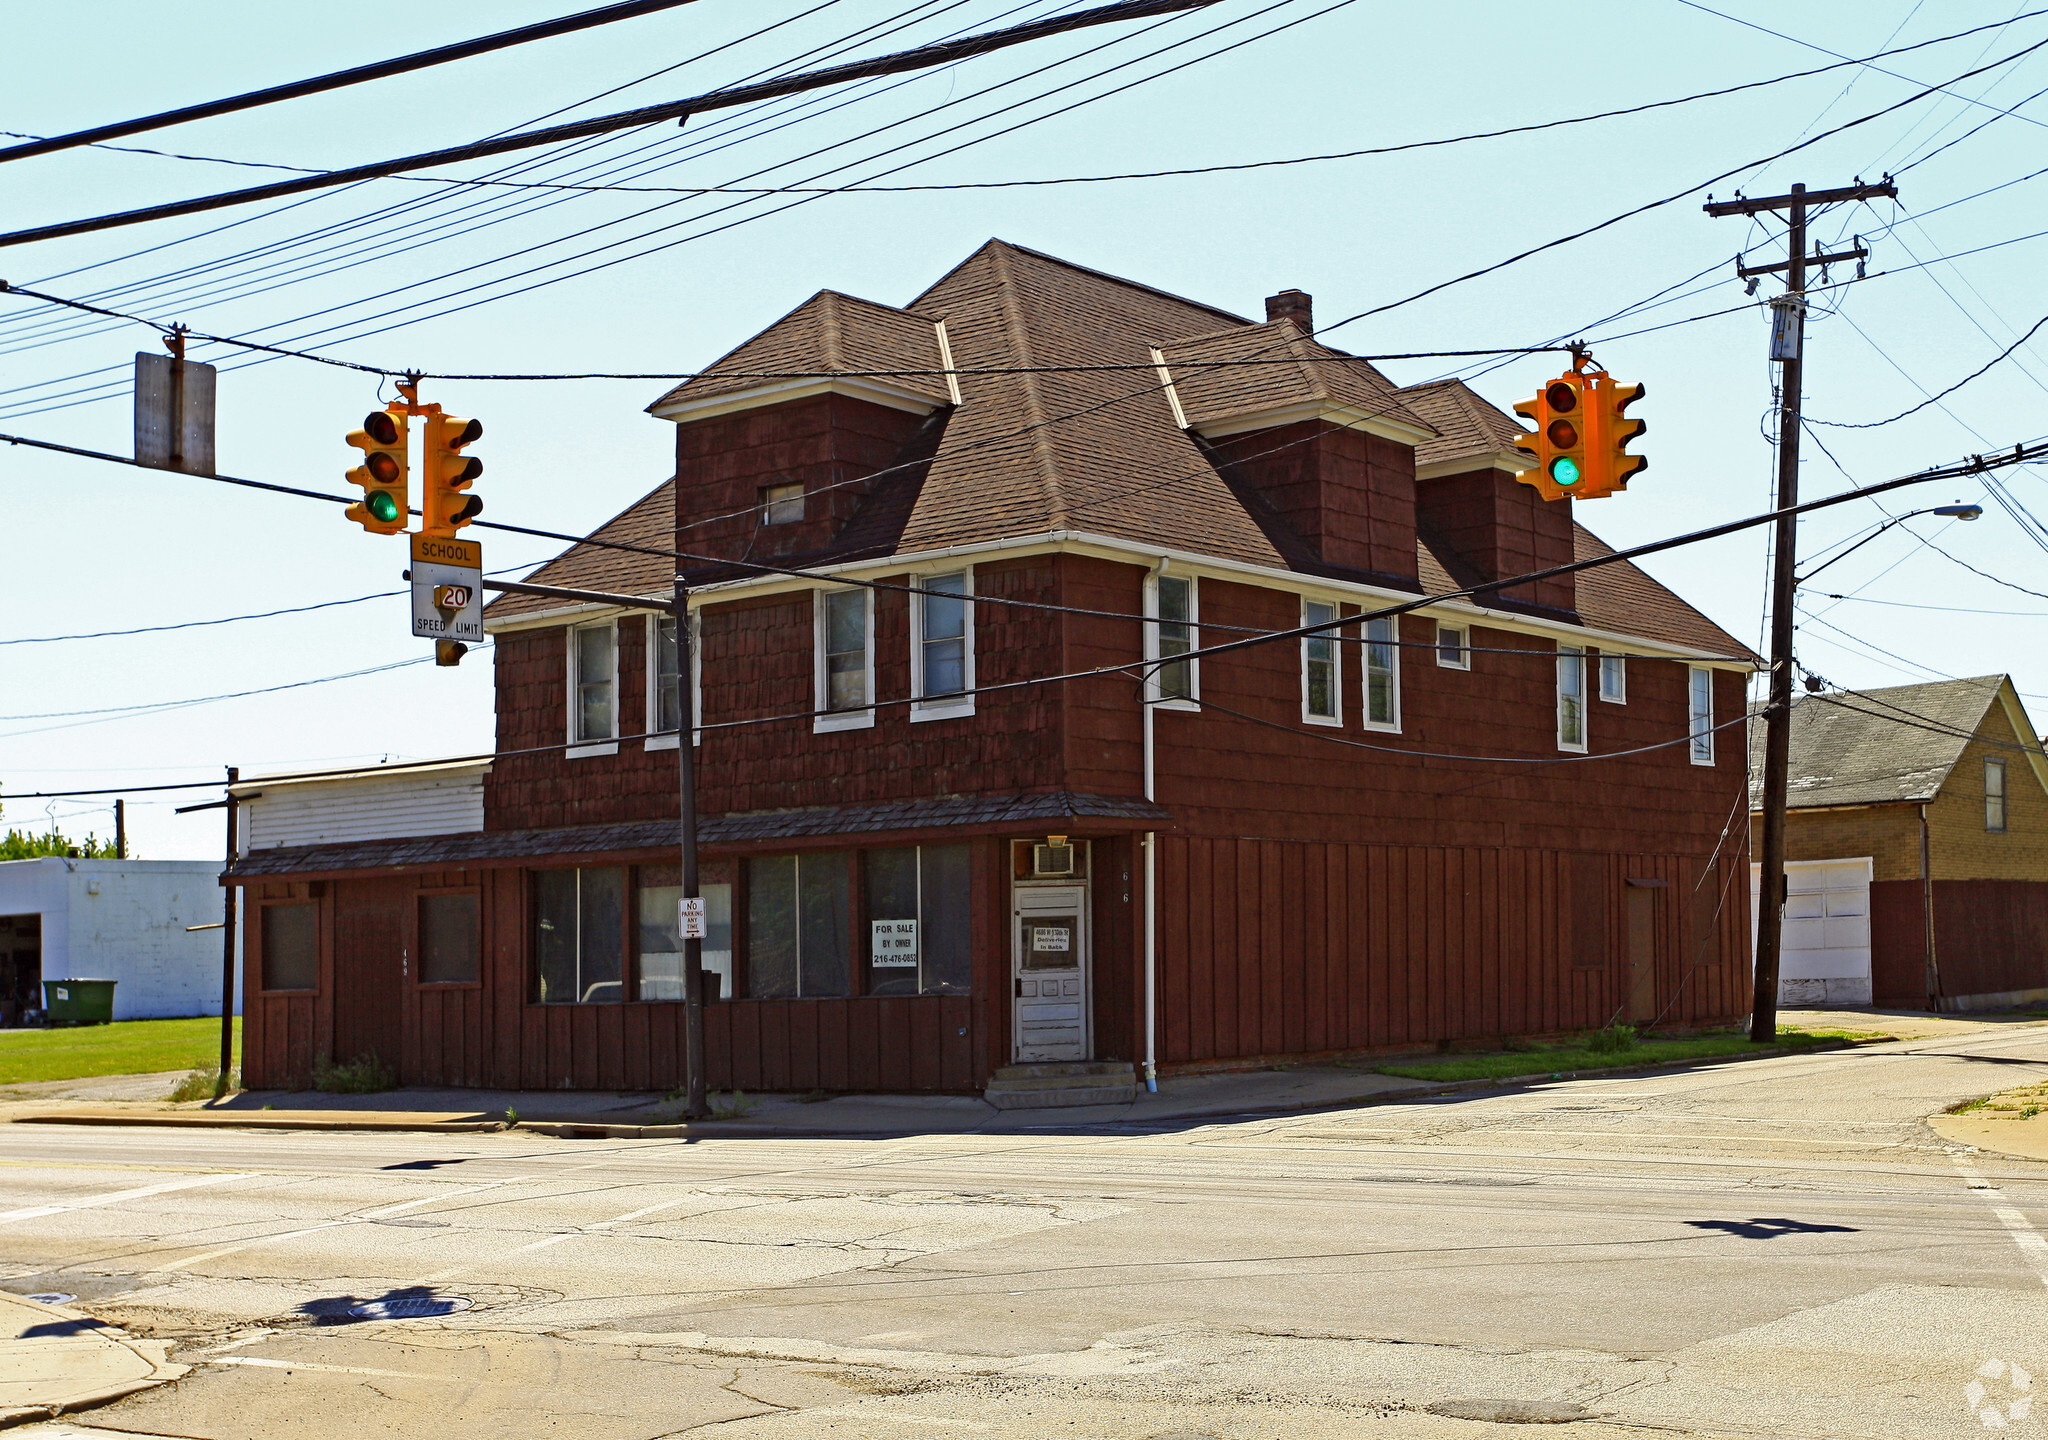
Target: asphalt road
<point>1772,1248</point>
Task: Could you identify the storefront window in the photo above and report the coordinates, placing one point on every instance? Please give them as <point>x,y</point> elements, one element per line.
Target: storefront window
<point>578,946</point>
<point>919,938</point>
<point>799,925</point>
<point>661,946</point>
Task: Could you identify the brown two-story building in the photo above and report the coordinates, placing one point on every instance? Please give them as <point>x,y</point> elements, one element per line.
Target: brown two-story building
<point>973,795</point>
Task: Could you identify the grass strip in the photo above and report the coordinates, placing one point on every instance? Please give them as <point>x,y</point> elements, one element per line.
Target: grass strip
<point>125,1047</point>
<point>1557,1059</point>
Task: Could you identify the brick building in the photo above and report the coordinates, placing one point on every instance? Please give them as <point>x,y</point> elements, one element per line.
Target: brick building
<point>1917,822</point>
<point>932,865</point>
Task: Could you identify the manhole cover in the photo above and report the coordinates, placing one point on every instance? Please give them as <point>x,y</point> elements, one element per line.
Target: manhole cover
<point>411,1308</point>
<point>52,1297</point>
<point>1513,1412</point>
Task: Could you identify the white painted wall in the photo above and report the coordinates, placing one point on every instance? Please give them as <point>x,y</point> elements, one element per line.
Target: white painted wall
<point>363,806</point>
<point>125,920</point>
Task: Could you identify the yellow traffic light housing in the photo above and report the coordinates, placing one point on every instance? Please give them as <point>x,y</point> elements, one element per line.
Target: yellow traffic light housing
<point>1578,448</point>
<point>383,473</point>
<point>450,473</point>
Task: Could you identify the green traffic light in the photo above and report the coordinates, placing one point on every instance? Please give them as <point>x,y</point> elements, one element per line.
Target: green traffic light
<point>1564,470</point>
<point>384,509</point>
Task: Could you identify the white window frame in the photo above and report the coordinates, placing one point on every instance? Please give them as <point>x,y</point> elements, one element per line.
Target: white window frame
<point>824,721</point>
<point>1571,695</point>
<point>1193,699</point>
<point>1699,722</point>
<point>944,707</point>
<point>1334,640</point>
<point>2003,795</point>
<point>666,739</point>
<point>1392,626</point>
<point>1618,695</point>
<point>580,748</point>
<point>801,500</point>
<point>1464,634</point>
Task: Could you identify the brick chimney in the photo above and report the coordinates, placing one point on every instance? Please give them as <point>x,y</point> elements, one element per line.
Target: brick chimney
<point>1294,305</point>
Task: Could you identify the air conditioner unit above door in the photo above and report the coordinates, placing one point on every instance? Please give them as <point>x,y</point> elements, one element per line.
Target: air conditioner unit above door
<point>1053,860</point>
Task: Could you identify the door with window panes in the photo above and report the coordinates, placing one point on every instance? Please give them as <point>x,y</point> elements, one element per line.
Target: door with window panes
<point>1050,965</point>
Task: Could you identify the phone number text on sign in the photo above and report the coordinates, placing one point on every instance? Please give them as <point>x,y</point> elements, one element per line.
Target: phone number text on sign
<point>894,943</point>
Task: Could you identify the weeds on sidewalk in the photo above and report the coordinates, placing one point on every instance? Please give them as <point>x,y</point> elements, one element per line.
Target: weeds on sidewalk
<point>1608,1049</point>
<point>2022,1104</point>
<point>734,1109</point>
<point>206,1083</point>
<point>364,1075</point>
<point>1613,1040</point>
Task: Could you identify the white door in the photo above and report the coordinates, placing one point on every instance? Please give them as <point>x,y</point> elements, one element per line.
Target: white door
<point>1049,926</point>
<point>1824,949</point>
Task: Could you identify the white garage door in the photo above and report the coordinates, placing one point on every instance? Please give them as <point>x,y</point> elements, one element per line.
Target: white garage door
<point>1824,955</point>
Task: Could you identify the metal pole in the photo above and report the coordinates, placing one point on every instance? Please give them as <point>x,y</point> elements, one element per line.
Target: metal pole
<point>1763,1018</point>
<point>695,1106</point>
<point>227,950</point>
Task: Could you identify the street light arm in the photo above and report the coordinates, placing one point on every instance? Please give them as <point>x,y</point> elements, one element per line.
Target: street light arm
<point>1960,512</point>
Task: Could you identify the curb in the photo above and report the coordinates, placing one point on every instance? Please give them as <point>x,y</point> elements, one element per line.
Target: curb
<point>92,1400</point>
<point>163,1370</point>
<point>726,1130</point>
<point>258,1120</point>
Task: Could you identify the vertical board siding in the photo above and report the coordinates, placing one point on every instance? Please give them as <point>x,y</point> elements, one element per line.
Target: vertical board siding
<point>1389,946</point>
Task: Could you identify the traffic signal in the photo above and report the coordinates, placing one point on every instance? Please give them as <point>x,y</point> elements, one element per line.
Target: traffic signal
<point>449,473</point>
<point>1558,451</point>
<point>382,510</point>
<point>1617,431</point>
<point>1578,450</point>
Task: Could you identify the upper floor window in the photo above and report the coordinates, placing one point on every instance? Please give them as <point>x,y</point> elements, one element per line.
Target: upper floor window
<point>1319,666</point>
<point>942,646</point>
<point>1700,693</point>
<point>1453,649</point>
<point>1994,795</point>
<point>1571,697</point>
<point>846,659</point>
<point>664,695</point>
<point>1173,634</point>
<point>1614,678</point>
<point>593,672</point>
<point>1383,674</point>
<point>782,504</point>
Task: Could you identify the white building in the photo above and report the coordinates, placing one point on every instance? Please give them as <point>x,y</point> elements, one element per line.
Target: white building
<point>123,920</point>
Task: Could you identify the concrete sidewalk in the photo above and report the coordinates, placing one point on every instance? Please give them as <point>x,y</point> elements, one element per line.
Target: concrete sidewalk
<point>585,1114</point>
<point>54,1360</point>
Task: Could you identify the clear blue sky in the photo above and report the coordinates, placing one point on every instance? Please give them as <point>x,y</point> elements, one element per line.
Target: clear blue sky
<point>87,546</point>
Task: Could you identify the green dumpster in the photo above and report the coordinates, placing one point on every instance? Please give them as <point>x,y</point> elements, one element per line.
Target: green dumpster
<point>79,1002</point>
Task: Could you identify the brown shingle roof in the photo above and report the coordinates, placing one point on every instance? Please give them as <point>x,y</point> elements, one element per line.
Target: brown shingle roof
<point>1211,392</point>
<point>829,334</point>
<point>1099,450</point>
<point>1621,598</point>
<point>1467,426</point>
<point>649,521</point>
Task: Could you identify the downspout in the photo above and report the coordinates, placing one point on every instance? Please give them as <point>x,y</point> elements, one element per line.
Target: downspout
<point>1151,899</point>
<point>1934,997</point>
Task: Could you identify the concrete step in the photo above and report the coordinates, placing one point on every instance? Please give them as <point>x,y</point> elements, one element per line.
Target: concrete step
<point>1005,1099</point>
<point>1112,1069</point>
<point>1060,1083</point>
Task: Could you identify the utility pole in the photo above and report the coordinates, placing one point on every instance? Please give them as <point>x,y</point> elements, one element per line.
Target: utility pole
<point>695,1106</point>
<point>1788,332</point>
<point>227,950</point>
<point>120,829</point>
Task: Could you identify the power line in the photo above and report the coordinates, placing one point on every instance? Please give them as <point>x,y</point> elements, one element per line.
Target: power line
<point>1217,169</point>
<point>1679,195</point>
<point>923,57</point>
<point>1936,399</point>
<point>356,75</point>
